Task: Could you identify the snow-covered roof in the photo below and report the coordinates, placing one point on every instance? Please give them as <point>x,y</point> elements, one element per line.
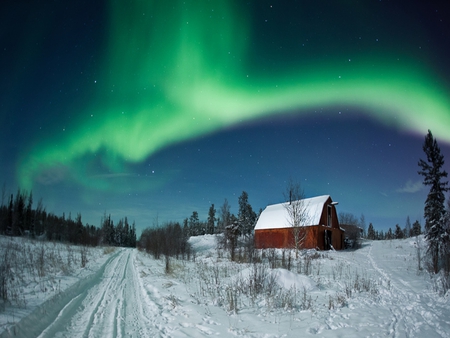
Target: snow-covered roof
<point>276,216</point>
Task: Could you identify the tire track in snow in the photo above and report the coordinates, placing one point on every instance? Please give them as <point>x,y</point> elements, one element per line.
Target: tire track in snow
<point>102,309</point>
<point>114,303</point>
<point>150,307</point>
<point>86,312</point>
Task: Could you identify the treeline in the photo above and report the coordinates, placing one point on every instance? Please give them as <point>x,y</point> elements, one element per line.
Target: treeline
<point>397,233</point>
<point>171,239</point>
<point>18,217</point>
<point>218,220</point>
<point>121,234</point>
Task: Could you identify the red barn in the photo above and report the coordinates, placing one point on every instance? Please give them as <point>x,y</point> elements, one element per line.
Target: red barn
<point>321,226</point>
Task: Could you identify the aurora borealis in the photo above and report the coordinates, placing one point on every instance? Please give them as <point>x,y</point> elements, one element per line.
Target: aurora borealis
<point>111,107</point>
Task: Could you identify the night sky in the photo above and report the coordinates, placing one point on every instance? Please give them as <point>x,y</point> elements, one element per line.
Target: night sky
<point>154,109</point>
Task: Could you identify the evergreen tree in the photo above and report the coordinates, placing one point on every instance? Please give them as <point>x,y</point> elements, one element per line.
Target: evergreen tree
<point>246,215</point>
<point>211,220</point>
<point>186,230</point>
<point>78,230</point>
<point>119,236</point>
<point>434,210</point>
<point>127,233</point>
<point>416,229</point>
<point>9,219</point>
<point>107,230</point>
<point>29,226</point>
<point>371,232</point>
<point>389,234</point>
<point>133,235</point>
<point>18,214</point>
<point>194,224</point>
<point>398,232</point>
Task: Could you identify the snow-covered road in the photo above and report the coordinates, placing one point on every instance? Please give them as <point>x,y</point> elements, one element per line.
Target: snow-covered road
<point>111,303</point>
<point>110,307</point>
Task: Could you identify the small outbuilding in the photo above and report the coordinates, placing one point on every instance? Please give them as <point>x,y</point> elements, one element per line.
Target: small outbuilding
<point>319,225</point>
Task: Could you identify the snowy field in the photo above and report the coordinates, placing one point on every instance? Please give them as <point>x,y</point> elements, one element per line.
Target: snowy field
<point>375,291</point>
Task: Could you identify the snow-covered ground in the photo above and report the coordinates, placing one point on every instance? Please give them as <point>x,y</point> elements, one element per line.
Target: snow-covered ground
<point>375,291</point>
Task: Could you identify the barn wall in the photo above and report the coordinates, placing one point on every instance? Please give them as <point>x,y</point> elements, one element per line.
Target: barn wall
<point>271,238</point>
<point>324,215</point>
<point>319,238</point>
<point>283,238</point>
<point>338,239</point>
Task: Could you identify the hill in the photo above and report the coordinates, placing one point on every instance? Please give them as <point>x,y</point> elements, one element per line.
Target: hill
<point>377,290</point>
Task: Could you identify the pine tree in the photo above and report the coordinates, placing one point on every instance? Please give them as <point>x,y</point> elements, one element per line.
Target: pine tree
<point>371,232</point>
<point>10,217</point>
<point>127,232</point>
<point>246,215</point>
<point>133,235</point>
<point>398,232</point>
<point>108,230</point>
<point>194,224</point>
<point>29,226</point>
<point>416,229</point>
<point>119,236</point>
<point>389,234</point>
<point>434,210</point>
<point>211,220</point>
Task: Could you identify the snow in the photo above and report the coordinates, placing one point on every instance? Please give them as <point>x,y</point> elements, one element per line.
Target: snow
<point>275,216</point>
<point>288,280</point>
<point>374,291</point>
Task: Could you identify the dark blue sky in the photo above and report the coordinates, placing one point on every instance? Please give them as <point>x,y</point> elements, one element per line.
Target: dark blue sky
<point>152,111</point>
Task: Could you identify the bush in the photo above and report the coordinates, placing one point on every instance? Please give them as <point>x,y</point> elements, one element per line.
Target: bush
<point>169,240</point>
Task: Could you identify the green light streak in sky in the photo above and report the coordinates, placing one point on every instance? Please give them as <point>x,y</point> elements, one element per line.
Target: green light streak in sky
<point>177,71</point>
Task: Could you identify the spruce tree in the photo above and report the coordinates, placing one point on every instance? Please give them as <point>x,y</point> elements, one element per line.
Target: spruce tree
<point>434,210</point>
<point>211,220</point>
<point>194,224</point>
<point>371,232</point>
<point>398,232</point>
<point>389,234</point>
<point>246,215</point>
<point>416,229</point>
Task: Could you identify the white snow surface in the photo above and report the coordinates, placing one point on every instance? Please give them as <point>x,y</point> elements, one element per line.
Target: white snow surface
<point>376,291</point>
<point>276,216</point>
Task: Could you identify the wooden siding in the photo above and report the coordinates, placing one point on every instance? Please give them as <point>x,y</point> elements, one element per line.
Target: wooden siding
<point>283,238</point>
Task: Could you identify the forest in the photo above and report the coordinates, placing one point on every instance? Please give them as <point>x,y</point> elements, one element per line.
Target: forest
<point>18,217</point>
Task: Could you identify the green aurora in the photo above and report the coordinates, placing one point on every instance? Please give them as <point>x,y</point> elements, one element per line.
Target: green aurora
<point>176,71</point>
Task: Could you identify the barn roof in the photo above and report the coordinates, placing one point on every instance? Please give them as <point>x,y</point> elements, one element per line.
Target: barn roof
<point>275,216</point>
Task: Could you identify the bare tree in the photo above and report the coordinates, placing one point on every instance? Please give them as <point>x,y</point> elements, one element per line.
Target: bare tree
<point>297,213</point>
